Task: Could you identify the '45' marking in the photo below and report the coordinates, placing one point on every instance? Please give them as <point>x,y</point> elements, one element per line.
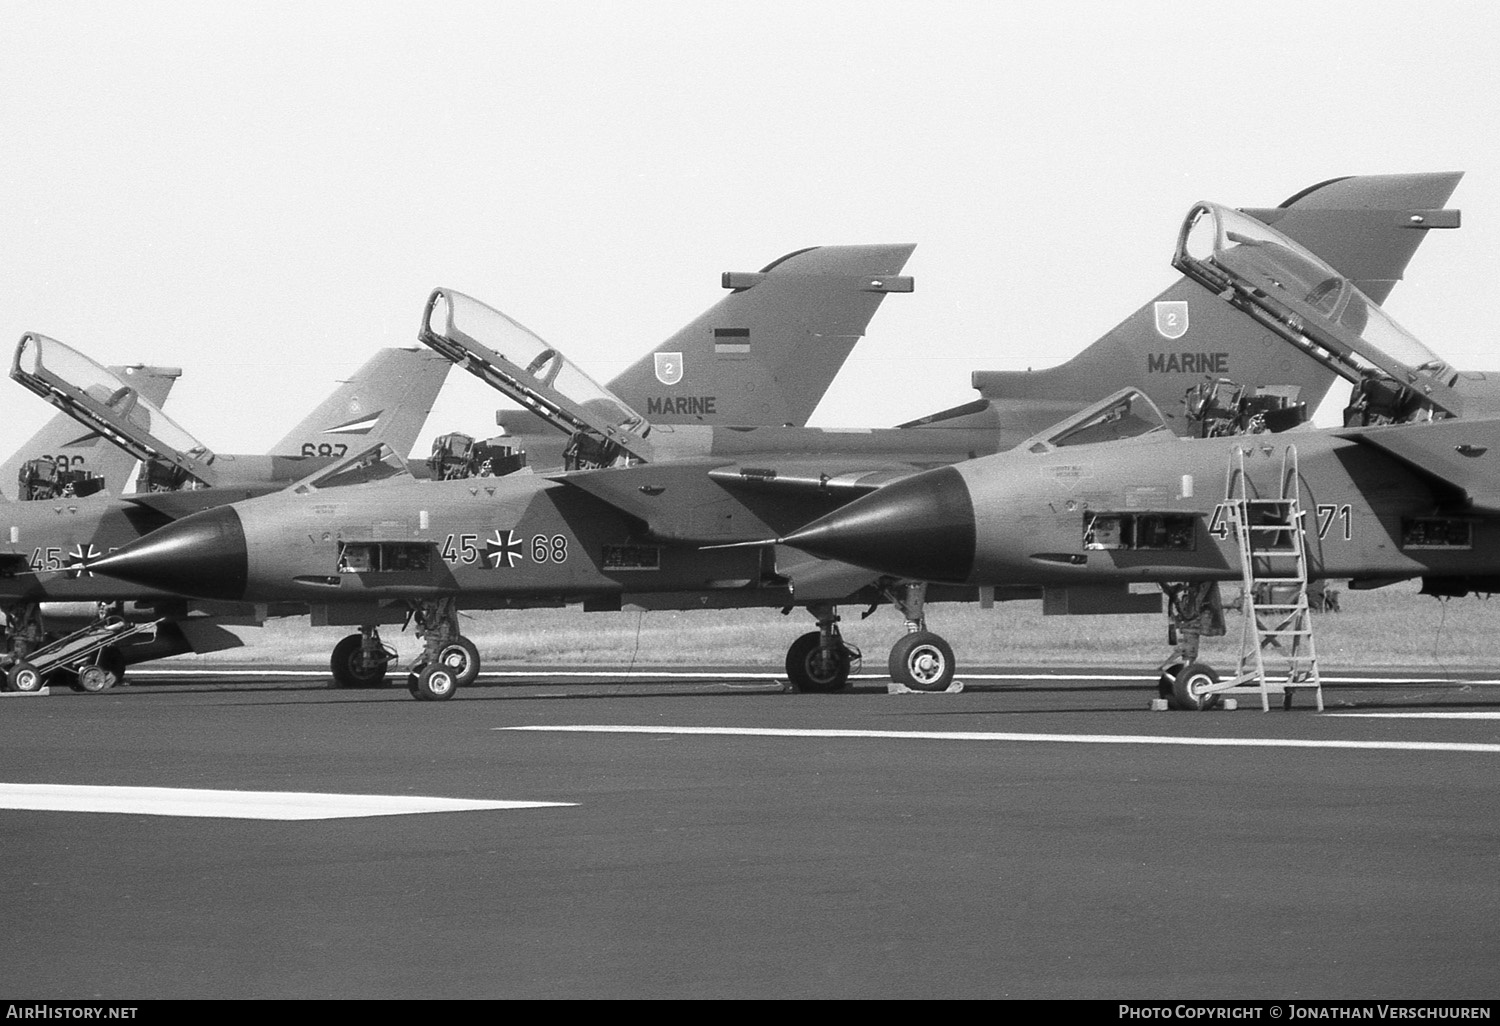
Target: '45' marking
<point>1328,513</point>
<point>466,552</point>
<point>47,559</point>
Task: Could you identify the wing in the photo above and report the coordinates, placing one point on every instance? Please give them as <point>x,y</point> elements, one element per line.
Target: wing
<point>1462,455</point>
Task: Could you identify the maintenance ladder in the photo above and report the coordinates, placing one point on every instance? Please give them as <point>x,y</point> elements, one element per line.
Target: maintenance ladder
<point>1272,535</point>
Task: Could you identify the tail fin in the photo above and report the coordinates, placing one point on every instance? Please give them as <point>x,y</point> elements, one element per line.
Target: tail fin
<point>388,399</point>
<point>76,448</point>
<point>766,353</point>
<point>1367,226</point>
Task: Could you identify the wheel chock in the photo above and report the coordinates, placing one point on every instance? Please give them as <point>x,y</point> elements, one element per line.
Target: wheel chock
<point>1162,705</point>
<point>43,690</point>
<point>893,687</point>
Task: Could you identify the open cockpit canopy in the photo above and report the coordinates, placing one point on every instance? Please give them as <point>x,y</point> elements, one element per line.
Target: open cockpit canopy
<point>104,402</point>
<point>1308,302</point>
<point>512,359</point>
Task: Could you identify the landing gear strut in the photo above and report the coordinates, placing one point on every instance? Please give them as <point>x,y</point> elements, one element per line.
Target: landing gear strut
<point>448,659</point>
<point>361,660</point>
<point>820,660</point>
<point>24,632</point>
<point>1194,611</point>
<point>922,660</point>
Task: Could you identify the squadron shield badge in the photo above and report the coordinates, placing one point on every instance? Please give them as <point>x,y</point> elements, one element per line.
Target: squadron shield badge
<point>668,368</point>
<point>1171,318</point>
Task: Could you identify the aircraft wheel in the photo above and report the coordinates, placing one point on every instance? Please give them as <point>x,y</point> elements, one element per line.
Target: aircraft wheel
<point>461,657</point>
<point>95,679</point>
<point>24,677</point>
<point>1165,679</point>
<point>434,683</point>
<point>1190,688</point>
<point>113,660</point>
<point>812,668</point>
<point>922,661</point>
<point>350,667</point>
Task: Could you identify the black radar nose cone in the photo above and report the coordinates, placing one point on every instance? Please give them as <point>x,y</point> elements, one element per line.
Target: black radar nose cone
<point>202,555</point>
<point>920,527</point>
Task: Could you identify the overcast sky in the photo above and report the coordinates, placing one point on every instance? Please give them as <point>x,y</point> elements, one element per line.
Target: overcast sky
<point>264,193</point>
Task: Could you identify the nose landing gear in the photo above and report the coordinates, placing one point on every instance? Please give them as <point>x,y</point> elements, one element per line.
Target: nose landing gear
<point>922,660</point>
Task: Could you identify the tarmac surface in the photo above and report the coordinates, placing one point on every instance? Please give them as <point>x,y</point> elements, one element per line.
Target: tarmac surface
<point>1040,835</point>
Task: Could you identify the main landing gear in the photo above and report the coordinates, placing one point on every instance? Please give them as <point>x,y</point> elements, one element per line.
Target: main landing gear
<point>820,660</point>
<point>1194,611</point>
<point>448,659</point>
<point>361,660</point>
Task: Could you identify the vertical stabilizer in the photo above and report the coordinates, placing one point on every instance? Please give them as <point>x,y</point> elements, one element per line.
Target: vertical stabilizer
<point>388,399</point>
<point>1184,336</point>
<point>766,353</point>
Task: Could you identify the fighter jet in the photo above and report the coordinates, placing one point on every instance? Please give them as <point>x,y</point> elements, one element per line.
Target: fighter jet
<point>1407,488</point>
<point>1374,505</point>
<point>388,399</point>
<point>364,544</point>
<point>781,344</point>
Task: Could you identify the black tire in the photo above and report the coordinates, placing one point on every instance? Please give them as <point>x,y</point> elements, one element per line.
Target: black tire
<point>351,670</point>
<point>922,661</point>
<point>94,679</point>
<point>811,668</point>
<point>25,678</point>
<point>461,657</point>
<point>1165,679</point>
<point>113,659</point>
<point>1189,686</point>
<point>434,683</point>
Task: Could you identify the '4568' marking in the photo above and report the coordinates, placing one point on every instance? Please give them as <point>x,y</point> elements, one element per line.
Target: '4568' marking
<point>503,549</point>
<point>1328,514</point>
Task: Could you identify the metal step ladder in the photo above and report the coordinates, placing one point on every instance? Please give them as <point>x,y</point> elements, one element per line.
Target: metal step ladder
<point>1272,536</point>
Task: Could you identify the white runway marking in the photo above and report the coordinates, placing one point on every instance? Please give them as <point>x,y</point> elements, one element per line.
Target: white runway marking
<point>1145,678</point>
<point>1457,714</point>
<point>1080,739</point>
<point>183,801</point>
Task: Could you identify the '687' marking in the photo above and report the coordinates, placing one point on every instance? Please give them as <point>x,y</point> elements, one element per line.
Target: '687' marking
<point>503,549</point>
<point>1331,518</point>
